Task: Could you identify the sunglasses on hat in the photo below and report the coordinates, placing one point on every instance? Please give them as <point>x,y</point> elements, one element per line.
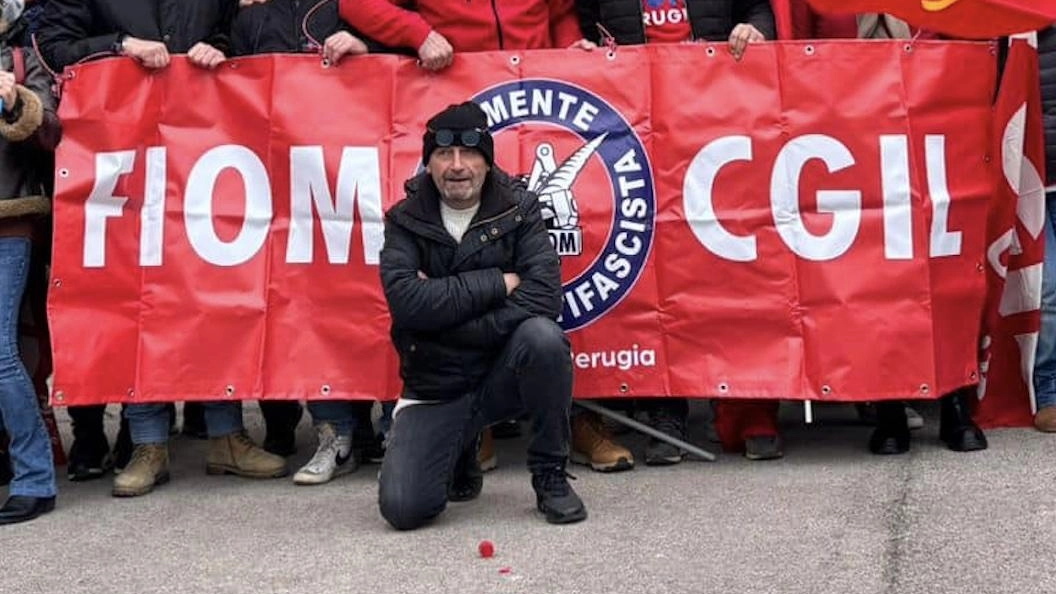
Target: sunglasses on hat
<point>468,138</point>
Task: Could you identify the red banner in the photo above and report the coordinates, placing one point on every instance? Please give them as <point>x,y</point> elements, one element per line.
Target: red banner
<point>807,223</point>
<point>970,19</point>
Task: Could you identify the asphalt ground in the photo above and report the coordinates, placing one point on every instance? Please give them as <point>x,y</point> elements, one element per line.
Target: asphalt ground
<point>829,517</point>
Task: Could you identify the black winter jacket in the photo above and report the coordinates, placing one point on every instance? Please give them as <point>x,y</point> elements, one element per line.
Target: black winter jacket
<point>710,20</point>
<point>71,30</point>
<point>1047,56</point>
<point>449,328</point>
<point>276,26</point>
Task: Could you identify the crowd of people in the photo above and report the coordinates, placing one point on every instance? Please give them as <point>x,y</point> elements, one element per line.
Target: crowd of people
<point>512,358</point>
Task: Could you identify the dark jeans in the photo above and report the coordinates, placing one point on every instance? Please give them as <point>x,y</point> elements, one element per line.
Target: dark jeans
<point>532,375</point>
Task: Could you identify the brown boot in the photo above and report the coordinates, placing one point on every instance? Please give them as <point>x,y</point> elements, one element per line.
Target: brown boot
<point>1045,420</point>
<point>486,455</point>
<point>237,454</point>
<point>148,467</point>
<point>592,445</point>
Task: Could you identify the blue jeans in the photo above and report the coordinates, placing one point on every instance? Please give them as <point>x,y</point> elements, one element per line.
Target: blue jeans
<point>339,413</point>
<point>30,447</point>
<point>1045,363</point>
<point>149,423</point>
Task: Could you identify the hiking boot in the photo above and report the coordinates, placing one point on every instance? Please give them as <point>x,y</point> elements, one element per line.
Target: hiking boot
<point>1045,420</point>
<point>555,497</point>
<point>467,479</point>
<point>122,453</point>
<point>148,468</point>
<point>592,445</point>
<point>956,427</point>
<point>486,456</point>
<point>659,452</point>
<point>194,420</point>
<point>237,454</point>
<point>763,447</point>
<point>89,457</point>
<point>333,458</point>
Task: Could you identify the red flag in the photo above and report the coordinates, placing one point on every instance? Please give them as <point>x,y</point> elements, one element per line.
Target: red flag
<point>972,19</point>
<point>1016,247</point>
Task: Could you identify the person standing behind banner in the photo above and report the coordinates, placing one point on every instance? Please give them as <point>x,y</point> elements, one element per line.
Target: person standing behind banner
<point>294,26</point>
<point>740,23</point>
<point>150,32</point>
<point>29,129</point>
<point>1045,364</point>
<point>634,22</point>
<point>436,29</point>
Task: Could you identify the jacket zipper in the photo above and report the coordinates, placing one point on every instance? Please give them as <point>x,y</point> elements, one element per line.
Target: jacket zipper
<point>498,25</point>
<point>490,219</point>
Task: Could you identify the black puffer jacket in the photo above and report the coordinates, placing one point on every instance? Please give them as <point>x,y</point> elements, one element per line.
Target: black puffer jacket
<point>278,26</point>
<point>71,30</point>
<point>710,20</point>
<point>449,328</point>
<point>1047,55</point>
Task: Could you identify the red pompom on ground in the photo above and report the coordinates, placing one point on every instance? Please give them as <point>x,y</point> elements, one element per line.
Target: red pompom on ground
<point>486,548</point>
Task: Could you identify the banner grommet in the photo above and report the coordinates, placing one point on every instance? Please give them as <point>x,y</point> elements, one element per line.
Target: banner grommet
<point>325,390</point>
<point>724,388</point>
<point>809,50</point>
<point>229,390</point>
<point>826,390</point>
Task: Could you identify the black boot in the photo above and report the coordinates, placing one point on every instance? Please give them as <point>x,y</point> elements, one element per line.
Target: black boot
<point>90,453</point>
<point>194,420</point>
<point>122,447</point>
<point>956,427</point>
<point>668,418</point>
<point>555,497</point>
<point>280,421</point>
<point>467,480</point>
<point>891,435</point>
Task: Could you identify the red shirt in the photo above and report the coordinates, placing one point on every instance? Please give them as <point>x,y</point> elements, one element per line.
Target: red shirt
<point>468,25</point>
<point>666,21</point>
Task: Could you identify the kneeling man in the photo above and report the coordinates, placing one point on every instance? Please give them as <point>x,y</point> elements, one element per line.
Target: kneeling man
<point>474,289</point>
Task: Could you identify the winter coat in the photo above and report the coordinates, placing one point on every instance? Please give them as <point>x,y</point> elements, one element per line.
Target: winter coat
<point>28,135</point>
<point>468,25</point>
<point>710,20</point>
<point>276,27</point>
<point>72,30</point>
<point>1047,59</point>
<point>449,328</point>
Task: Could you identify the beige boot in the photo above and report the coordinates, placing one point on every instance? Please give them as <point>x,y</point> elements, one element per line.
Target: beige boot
<point>237,454</point>
<point>148,467</point>
<point>1045,420</point>
<point>592,445</point>
<point>486,455</point>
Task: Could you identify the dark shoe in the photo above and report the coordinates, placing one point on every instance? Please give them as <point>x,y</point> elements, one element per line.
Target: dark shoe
<point>763,447</point>
<point>891,436</point>
<point>661,453</point>
<point>122,447</point>
<point>21,509</point>
<point>369,445</point>
<point>510,429</point>
<point>280,421</point>
<point>194,420</point>
<point>956,427</point>
<point>89,458</point>
<point>555,497</point>
<point>467,480</point>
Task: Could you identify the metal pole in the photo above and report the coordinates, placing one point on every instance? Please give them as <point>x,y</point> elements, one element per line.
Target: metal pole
<point>646,429</point>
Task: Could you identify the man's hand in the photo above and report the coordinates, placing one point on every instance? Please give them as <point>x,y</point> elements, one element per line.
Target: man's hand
<point>435,53</point>
<point>7,91</point>
<point>512,281</point>
<point>741,36</point>
<point>342,44</point>
<point>205,56</point>
<point>585,45</point>
<point>151,54</point>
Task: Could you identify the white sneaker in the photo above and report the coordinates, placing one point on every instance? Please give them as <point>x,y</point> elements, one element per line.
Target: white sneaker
<point>333,458</point>
<point>913,419</point>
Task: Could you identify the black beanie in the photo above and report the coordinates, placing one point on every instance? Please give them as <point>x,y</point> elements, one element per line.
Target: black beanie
<point>464,116</point>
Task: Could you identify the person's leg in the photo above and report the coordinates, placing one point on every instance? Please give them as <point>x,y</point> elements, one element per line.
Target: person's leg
<point>891,436</point>
<point>534,374</point>
<point>280,422</point>
<point>1045,361</point>
<point>957,429</point>
<point>424,444</point>
<point>335,421</point>
<point>30,444</point>
<point>231,451</point>
<point>148,467</point>
<point>750,425</point>
<point>669,416</point>
<point>90,453</point>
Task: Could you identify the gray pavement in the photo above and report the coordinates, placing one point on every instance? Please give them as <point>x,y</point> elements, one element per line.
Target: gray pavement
<point>827,518</point>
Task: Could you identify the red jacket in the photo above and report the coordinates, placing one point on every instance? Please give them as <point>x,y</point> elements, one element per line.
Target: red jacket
<point>469,25</point>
